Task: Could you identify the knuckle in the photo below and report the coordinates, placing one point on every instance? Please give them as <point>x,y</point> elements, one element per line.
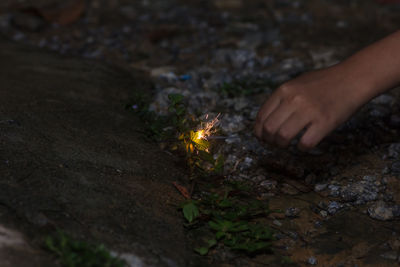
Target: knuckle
<point>298,99</point>
<point>284,135</point>
<point>269,128</point>
<point>285,88</point>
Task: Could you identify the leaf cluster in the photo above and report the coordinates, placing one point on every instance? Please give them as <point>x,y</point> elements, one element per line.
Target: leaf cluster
<point>232,220</point>
<point>73,253</point>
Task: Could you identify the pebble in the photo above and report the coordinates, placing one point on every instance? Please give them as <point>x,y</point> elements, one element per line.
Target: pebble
<point>292,212</point>
<point>312,260</point>
<point>277,223</point>
<point>334,190</point>
<point>269,184</point>
<point>333,207</point>
<point>380,211</point>
<point>323,213</point>
<point>320,187</point>
<point>394,151</point>
<point>390,255</point>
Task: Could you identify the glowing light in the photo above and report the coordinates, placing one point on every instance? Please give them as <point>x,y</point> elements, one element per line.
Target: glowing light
<point>206,129</point>
<point>199,135</point>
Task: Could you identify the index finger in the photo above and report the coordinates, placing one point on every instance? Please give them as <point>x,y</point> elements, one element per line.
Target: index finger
<point>266,109</point>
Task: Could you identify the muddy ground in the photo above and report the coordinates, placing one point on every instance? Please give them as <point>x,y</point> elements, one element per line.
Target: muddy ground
<point>73,158</point>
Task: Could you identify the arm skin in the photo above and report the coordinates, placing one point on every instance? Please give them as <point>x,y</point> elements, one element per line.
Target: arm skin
<point>321,100</point>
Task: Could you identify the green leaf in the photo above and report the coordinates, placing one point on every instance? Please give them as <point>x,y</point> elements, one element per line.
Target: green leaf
<point>215,226</point>
<point>175,98</point>
<point>211,243</point>
<point>219,235</point>
<point>180,111</point>
<point>202,250</point>
<point>190,211</point>
<point>206,156</point>
<point>225,203</point>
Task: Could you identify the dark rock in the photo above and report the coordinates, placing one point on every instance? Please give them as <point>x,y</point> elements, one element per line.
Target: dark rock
<point>333,207</point>
<point>71,111</point>
<point>380,211</point>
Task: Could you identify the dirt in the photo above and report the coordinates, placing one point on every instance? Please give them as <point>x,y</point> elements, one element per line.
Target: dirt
<point>73,159</point>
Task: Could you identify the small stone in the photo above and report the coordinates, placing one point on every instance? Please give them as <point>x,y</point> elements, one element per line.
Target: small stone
<point>333,207</point>
<point>292,212</point>
<point>312,260</point>
<point>390,255</point>
<point>394,151</point>
<point>334,190</point>
<point>318,224</point>
<point>320,187</point>
<point>269,184</point>
<point>277,223</point>
<point>323,213</point>
<point>380,211</point>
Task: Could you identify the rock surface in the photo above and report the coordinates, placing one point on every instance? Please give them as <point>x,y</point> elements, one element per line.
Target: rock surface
<point>71,158</point>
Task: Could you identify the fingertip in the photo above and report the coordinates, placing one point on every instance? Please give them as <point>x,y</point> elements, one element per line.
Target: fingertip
<point>311,138</point>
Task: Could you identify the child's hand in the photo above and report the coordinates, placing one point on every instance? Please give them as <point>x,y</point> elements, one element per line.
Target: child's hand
<point>317,101</point>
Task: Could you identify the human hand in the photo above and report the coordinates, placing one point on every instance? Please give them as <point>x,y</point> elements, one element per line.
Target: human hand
<point>317,101</point>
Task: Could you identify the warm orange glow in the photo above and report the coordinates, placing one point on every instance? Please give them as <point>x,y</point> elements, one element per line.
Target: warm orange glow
<point>199,135</point>
<point>207,129</point>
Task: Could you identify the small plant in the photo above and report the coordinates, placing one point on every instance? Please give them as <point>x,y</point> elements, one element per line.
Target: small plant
<point>231,220</point>
<point>230,216</point>
<point>72,253</point>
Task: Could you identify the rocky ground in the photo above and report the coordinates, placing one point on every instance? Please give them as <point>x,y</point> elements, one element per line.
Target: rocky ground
<point>341,200</point>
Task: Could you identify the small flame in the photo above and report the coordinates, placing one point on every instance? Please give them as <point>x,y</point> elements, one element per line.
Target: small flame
<point>207,129</point>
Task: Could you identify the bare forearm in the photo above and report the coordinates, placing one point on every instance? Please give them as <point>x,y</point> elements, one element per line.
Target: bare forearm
<point>376,67</point>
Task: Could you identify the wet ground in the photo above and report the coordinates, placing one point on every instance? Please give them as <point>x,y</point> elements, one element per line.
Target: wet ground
<point>341,201</point>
